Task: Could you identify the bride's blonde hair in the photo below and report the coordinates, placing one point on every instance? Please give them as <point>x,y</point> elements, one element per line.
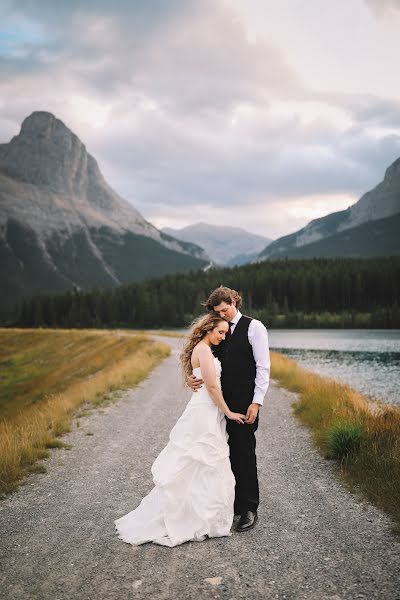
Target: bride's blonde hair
<point>199,329</point>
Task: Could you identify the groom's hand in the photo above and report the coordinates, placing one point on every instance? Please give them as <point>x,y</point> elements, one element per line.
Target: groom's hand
<point>252,413</point>
<point>194,383</point>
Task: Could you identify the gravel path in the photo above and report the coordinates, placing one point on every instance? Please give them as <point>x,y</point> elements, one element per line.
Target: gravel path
<point>314,539</point>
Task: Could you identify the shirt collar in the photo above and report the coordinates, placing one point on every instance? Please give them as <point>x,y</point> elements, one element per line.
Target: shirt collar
<point>236,317</point>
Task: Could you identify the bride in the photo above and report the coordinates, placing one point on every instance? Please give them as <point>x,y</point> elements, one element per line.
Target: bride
<point>194,486</point>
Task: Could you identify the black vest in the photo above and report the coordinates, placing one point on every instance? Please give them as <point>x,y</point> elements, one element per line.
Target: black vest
<point>238,367</point>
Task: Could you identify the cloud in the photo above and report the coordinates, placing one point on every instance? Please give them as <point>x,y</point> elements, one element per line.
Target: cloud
<point>189,115</point>
<point>377,111</point>
<point>233,159</point>
<point>383,7</point>
<point>187,56</point>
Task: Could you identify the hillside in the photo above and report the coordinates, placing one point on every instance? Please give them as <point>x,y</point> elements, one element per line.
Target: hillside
<point>373,238</point>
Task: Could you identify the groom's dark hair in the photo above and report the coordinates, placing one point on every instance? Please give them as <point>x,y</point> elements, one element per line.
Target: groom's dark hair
<point>222,294</point>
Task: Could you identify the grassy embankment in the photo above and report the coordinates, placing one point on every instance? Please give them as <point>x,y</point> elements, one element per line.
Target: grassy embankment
<point>363,437</point>
<point>46,375</point>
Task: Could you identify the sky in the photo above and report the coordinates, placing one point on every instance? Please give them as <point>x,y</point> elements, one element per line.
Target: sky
<point>262,114</point>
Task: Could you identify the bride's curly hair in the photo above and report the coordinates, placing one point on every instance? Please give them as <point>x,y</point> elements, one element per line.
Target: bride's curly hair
<point>199,329</point>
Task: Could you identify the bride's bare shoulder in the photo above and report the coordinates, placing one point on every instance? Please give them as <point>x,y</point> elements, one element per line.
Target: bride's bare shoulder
<point>200,352</point>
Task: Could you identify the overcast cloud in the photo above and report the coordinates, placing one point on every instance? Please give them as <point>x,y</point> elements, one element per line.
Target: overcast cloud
<point>238,112</point>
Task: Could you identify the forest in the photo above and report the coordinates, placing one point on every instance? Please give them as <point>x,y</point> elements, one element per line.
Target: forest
<point>335,292</point>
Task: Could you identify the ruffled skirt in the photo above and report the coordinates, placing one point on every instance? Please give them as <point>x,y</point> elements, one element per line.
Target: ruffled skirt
<point>194,486</point>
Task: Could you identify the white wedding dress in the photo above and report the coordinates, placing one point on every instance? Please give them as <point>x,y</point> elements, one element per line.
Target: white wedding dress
<point>194,486</point>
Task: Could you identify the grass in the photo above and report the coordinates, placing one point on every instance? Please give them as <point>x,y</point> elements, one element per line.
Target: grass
<point>46,375</point>
<point>363,437</point>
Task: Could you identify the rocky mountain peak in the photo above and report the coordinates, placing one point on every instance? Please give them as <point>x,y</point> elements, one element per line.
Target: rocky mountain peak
<point>54,187</point>
<point>47,153</point>
<point>393,172</point>
<point>41,123</point>
<point>380,202</point>
<point>378,206</point>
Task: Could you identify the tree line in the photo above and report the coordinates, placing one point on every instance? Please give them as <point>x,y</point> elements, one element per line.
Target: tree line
<point>334,292</point>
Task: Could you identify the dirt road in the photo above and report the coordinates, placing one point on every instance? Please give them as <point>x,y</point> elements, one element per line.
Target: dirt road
<point>314,539</point>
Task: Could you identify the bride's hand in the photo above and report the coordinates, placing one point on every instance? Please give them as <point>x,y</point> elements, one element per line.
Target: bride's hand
<point>238,417</point>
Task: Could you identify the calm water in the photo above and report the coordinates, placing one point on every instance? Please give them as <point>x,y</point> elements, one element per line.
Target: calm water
<point>368,360</point>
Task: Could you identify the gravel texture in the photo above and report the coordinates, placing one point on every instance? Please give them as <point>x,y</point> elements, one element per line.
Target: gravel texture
<point>314,539</point>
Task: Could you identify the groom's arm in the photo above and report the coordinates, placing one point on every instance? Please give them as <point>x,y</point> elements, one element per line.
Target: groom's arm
<point>258,338</point>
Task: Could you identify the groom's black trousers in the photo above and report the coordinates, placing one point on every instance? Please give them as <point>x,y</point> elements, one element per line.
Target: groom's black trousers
<point>238,383</point>
<point>242,447</point>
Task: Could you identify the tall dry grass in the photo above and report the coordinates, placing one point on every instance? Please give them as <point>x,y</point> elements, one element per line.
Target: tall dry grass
<point>55,372</point>
<point>363,436</point>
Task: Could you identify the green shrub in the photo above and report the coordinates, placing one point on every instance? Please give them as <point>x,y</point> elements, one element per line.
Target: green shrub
<point>343,438</point>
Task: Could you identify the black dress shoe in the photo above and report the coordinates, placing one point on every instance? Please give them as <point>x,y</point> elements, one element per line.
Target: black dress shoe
<point>236,518</point>
<point>247,521</point>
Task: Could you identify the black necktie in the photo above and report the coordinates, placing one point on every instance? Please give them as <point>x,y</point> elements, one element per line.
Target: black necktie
<point>229,332</point>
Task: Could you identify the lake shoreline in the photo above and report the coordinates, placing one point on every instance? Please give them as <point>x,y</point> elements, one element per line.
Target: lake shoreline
<point>361,435</point>
<point>367,360</point>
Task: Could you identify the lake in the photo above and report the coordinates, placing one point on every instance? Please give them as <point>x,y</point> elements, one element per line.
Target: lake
<point>367,359</point>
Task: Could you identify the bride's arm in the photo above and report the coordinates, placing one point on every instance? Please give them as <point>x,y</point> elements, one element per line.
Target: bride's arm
<point>209,374</point>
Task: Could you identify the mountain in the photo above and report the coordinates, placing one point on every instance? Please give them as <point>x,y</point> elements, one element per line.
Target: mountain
<point>373,238</point>
<point>225,245</point>
<point>62,226</point>
<point>341,233</point>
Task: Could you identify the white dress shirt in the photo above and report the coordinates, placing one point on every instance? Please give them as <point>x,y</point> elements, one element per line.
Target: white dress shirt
<point>258,338</point>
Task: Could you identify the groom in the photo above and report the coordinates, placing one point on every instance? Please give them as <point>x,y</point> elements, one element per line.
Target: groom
<point>244,356</point>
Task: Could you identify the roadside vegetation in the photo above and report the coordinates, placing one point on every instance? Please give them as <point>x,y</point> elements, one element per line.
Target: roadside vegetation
<point>362,436</point>
<point>46,375</point>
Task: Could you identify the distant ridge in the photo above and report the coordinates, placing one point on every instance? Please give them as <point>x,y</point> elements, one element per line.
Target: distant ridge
<point>224,244</point>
